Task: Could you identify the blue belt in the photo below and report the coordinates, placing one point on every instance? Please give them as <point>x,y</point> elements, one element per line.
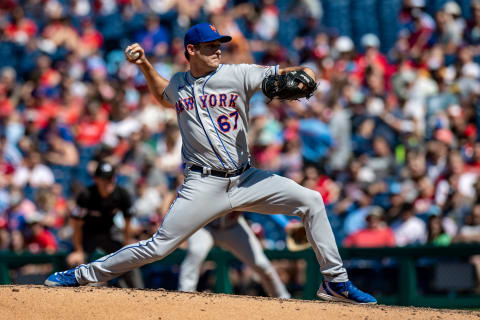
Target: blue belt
<point>222,174</point>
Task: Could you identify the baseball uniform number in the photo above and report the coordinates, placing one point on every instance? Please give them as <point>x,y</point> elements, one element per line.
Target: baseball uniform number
<point>224,123</point>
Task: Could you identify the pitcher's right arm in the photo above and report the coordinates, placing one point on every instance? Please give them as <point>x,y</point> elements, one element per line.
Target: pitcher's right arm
<point>156,83</point>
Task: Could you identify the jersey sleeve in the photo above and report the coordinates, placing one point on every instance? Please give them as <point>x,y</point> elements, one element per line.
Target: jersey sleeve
<point>254,75</point>
<point>126,204</point>
<point>170,90</point>
<point>81,207</point>
<point>167,95</point>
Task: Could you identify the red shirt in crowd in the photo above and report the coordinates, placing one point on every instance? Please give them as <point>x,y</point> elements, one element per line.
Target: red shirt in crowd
<point>46,110</point>
<point>379,61</point>
<point>44,240</point>
<point>24,28</point>
<point>90,133</point>
<point>6,106</point>
<point>324,185</point>
<point>370,238</point>
<point>92,39</point>
<point>6,168</point>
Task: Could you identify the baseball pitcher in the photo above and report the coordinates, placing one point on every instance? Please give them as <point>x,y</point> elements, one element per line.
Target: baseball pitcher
<point>212,104</point>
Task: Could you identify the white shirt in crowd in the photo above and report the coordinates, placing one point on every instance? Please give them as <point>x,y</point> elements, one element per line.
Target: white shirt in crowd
<point>148,204</point>
<point>470,230</point>
<point>412,231</point>
<point>39,176</point>
<point>120,129</point>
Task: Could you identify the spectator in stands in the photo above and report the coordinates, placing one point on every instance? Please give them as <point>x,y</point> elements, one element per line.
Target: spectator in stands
<point>60,32</point>
<point>396,202</point>
<point>20,208</point>
<point>424,202</point>
<point>32,173</point>
<point>408,229</point>
<point>363,138</point>
<point>381,162</point>
<point>170,160</point>
<point>148,203</point>
<point>7,163</point>
<point>376,234</point>
<point>372,59</point>
<point>449,27</point>
<point>472,32</point>
<point>436,234</point>
<point>154,39</point>
<point>344,49</point>
<point>20,29</point>
<point>340,126</point>
<point>91,40</point>
<point>315,135</point>
<point>470,232</point>
<point>437,153</point>
<point>38,237</point>
<point>91,125</point>
<point>52,207</point>
<point>267,25</point>
<point>62,158</point>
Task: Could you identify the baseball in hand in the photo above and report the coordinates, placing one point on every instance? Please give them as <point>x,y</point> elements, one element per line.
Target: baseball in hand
<point>133,55</point>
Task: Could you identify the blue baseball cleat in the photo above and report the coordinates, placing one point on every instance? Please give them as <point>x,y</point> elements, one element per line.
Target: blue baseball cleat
<point>344,292</point>
<point>62,279</point>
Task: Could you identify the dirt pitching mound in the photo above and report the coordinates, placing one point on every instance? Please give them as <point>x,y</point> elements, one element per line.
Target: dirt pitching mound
<point>38,302</point>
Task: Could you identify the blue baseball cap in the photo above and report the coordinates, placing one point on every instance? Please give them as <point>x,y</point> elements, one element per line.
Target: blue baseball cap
<point>203,32</point>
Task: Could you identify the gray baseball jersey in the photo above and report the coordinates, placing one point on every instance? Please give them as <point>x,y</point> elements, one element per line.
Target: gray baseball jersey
<point>212,113</point>
<point>213,120</point>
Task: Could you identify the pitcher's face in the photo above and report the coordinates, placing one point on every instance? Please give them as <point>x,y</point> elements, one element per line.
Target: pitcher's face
<point>208,54</point>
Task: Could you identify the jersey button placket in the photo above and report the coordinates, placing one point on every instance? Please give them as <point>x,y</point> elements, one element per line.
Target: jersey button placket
<point>211,128</point>
<point>197,85</point>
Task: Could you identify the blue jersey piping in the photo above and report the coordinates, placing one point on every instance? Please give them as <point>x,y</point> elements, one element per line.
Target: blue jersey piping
<point>201,123</point>
<point>210,116</point>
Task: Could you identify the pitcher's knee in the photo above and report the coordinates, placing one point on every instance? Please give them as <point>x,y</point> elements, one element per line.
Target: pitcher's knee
<point>161,244</point>
<point>158,250</point>
<point>312,200</point>
<point>158,254</point>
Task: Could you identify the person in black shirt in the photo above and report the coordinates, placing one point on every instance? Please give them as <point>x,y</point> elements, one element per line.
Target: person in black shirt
<point>93,220</point>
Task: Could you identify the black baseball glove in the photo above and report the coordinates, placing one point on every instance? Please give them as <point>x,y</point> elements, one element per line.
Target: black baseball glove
<point>290,86</point>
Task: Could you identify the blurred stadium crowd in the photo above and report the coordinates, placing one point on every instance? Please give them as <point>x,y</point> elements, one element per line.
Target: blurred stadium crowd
<point>390,139</point>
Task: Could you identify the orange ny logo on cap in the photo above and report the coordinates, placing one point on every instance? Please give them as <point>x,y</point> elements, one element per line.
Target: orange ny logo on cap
<point>213,28</point>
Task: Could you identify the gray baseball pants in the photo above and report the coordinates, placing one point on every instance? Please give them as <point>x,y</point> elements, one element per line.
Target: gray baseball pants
<point>242,242</point>
<point>203,198</point>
